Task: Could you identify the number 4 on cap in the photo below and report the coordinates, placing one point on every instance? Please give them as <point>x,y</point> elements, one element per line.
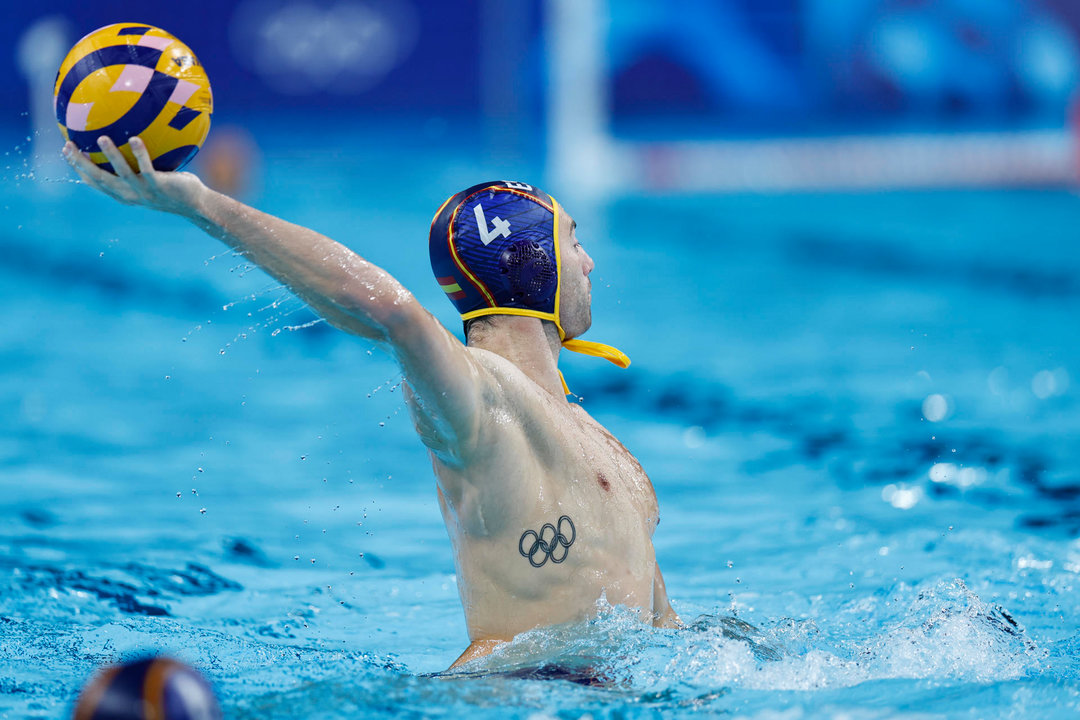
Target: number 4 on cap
<point>500,227</point>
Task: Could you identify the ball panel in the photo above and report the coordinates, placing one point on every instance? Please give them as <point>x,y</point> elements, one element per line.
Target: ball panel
<point>175,159</point>
<point>88,67</point>
<point>146,110</point>
<point>98,102</point>
<point>186,696</point>
<point>153,688</point>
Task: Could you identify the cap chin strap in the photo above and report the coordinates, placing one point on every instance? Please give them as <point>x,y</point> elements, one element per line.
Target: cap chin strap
<point>585,347</point>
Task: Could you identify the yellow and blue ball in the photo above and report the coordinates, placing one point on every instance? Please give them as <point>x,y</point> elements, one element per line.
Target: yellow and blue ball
<point>134,79</point>
<point>153,688</point>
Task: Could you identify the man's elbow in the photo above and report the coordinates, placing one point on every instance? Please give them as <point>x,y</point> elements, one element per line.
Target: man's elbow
<point>381,313</point>
<point>403,318</point>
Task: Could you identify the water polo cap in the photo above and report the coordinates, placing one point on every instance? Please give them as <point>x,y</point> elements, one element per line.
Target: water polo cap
<point>495,251</point>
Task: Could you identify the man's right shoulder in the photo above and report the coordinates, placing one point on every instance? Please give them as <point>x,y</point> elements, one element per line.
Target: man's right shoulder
<point>494,364</point>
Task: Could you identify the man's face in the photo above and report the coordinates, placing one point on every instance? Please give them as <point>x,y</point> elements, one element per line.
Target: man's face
<point>575,293</point>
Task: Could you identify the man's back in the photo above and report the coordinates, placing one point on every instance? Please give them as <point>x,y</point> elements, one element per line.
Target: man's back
<point>552,515</point>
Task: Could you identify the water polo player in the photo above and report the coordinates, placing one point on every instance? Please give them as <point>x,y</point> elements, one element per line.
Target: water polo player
<point>546,511</point>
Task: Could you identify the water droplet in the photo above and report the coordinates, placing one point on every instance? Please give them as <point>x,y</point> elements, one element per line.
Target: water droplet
<point>202,511</point>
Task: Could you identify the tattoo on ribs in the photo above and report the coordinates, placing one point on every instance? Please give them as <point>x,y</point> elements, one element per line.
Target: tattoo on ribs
<point>551,543</point>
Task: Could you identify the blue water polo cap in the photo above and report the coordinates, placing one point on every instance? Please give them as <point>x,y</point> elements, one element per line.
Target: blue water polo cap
<point>495,251</point>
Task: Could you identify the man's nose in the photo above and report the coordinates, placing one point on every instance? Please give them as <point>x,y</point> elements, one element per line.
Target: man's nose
<point>589,264</point>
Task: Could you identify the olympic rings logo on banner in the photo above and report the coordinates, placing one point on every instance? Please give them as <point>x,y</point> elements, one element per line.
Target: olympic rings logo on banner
<point>547,543</point>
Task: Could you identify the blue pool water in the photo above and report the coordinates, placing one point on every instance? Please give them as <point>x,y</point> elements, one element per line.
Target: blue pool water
<point>860,413</point>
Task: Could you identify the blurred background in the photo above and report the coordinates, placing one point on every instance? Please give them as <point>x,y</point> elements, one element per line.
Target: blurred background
<point>629,95</point>
<point>836,237</point>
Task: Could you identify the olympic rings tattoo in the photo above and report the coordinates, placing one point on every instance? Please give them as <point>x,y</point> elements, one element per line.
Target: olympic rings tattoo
<point>547,542</point>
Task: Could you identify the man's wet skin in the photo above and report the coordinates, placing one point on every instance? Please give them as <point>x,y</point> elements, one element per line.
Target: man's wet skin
<point>555,513</point>
<point>546,511</point>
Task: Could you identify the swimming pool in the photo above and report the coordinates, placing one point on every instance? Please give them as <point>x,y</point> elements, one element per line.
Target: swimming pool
<point>859,412</point>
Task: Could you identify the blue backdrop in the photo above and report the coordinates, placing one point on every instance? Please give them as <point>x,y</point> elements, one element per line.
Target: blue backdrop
<point>772,65</point>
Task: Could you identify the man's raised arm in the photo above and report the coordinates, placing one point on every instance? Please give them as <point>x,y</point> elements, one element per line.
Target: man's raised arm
<point>348,291</point>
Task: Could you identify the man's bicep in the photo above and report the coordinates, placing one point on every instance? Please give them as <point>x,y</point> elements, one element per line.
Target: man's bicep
<point>446,385</point>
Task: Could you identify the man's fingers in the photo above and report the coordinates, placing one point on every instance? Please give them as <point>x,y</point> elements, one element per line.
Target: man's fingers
<point>93,179</point>
<point>146,187</point>
<point>82,165</point>
<point>92,175</point>
<point>142,155</point>
<point>116,159</point>
<point>82,174</point>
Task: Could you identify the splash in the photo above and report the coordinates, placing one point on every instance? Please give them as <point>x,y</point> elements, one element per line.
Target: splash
<point>941,632</point>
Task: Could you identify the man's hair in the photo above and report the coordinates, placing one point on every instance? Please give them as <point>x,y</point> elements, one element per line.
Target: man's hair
<point>481,323</point>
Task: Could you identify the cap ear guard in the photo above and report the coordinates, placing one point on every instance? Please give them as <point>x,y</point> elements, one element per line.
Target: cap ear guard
<point>529,273</point>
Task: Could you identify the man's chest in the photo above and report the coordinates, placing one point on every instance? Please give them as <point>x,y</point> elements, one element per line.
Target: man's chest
<point>609,472</point>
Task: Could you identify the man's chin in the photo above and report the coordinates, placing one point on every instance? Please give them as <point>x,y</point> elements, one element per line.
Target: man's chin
<point>577,330</point>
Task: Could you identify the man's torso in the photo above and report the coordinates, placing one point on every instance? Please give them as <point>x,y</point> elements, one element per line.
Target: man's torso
<point>553,515</point>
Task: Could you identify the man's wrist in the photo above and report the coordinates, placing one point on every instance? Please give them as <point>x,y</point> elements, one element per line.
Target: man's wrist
<point>195,205</point>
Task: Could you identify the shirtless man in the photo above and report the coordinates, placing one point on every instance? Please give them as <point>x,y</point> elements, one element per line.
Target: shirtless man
<point>546,511</point>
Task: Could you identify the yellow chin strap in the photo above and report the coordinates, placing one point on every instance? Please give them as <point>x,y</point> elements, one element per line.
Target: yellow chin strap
<point>587,347</point>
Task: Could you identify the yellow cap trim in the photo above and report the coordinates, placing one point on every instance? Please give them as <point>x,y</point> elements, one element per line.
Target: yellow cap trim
<point>556,210</point>
<point>512,311</point>
<point>461,265</point>
<point>441,207</point>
